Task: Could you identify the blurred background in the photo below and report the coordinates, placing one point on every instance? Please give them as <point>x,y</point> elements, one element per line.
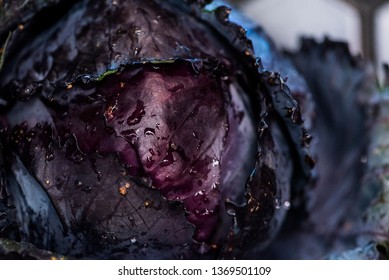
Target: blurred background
<point>361,23</point>
<point>338,217</point>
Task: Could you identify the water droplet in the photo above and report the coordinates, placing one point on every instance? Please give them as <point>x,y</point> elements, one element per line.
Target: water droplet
<point>130,136</point>
<point>152,152</point>
<point>202,192</point>
<point>137,115</point>
<point>149,131</point>
<point>77,158</point>
<point>277,203</point>
<point>215,186</point>
<point>203,212</point>
<point>150,162</point>
<point>147,203</point>
<point>231,211</point>
<point>306,138</point>
<point>49,155</point>
<point>133,240</point>
<point>86,79</point>
<point>137,31</point>
<point>199,144</point>
<point>215,162</point>
<point>47,182</point>
<point>168,159</point>
<point>225,78</point>
<point>173,146</point>
<point>262,126</point>
<point>137,50</point>
<point>78,183</point>
<point>287,204</point>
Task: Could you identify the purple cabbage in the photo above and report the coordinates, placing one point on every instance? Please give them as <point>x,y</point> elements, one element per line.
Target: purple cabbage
<point>133,129</point>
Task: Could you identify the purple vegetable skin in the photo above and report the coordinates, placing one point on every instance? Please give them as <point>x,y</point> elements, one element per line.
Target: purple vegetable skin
<point>135,129</point>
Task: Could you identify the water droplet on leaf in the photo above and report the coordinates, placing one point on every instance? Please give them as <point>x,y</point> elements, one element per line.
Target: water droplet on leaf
<point>149,131</point>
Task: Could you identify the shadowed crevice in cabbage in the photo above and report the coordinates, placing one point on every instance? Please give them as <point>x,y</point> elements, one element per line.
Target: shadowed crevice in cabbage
<point>154,130</point>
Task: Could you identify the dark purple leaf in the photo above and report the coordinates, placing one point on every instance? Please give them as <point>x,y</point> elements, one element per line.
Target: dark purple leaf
<point>149,130</point>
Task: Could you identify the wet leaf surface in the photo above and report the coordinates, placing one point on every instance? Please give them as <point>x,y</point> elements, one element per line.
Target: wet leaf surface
<point>133,138</point>
<point>145,140</point>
